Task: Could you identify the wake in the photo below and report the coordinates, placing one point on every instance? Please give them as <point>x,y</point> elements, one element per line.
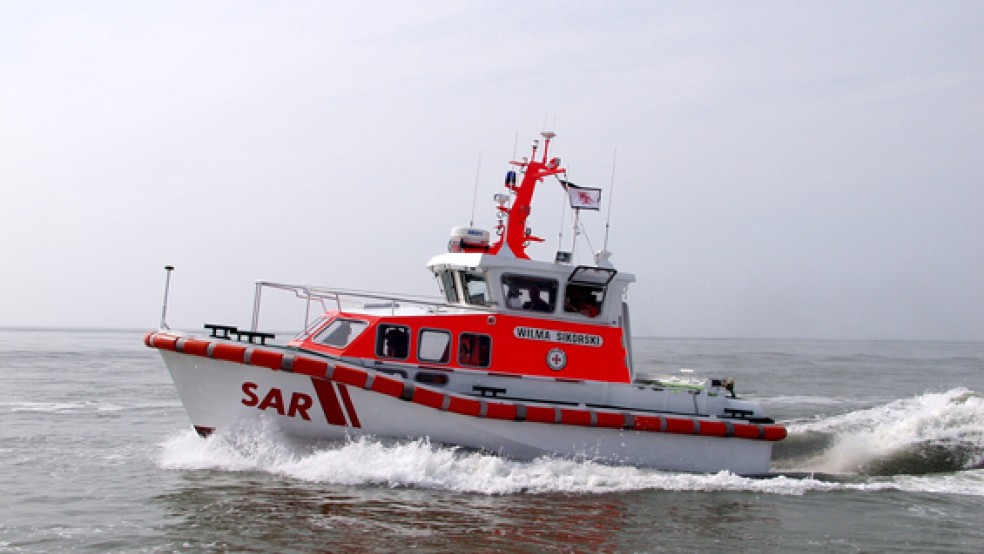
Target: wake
<point>926,434</point>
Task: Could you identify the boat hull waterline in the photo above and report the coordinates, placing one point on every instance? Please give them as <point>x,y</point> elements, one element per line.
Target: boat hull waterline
<point>222,382</point>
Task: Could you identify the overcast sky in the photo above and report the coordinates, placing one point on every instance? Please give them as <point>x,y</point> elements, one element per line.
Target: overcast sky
<point>784,169</point>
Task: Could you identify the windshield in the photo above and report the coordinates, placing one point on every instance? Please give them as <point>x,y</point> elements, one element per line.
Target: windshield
<point>447,285</point>
<point>476,290</point>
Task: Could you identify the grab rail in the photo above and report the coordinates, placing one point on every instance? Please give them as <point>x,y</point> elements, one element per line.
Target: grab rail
<point>323,294</point>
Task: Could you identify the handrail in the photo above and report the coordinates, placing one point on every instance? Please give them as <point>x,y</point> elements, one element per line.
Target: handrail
<point>322,295</point>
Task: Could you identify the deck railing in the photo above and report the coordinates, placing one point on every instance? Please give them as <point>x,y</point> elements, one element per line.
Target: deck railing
<point>342,297</point>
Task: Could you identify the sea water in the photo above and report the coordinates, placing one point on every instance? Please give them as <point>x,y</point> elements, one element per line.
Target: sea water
<point>885,453</point>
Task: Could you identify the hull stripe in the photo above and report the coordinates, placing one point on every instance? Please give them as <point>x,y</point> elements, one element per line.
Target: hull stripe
<point>329,401</point>
<point>349,408</point>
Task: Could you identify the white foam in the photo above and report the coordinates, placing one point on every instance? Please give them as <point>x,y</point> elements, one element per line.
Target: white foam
<point>78,407</point>
<point>951,418</point>
<point>970,483</point>
<point>420,464</point>
<point>43,407</point>
<point>799,399</point>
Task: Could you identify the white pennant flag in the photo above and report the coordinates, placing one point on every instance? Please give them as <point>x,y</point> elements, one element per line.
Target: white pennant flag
<point>583,198</point>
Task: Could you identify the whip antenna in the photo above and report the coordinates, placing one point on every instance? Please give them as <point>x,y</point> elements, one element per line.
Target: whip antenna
<point>478,172</point>
<point>563,213</point>
<point>611,197</point>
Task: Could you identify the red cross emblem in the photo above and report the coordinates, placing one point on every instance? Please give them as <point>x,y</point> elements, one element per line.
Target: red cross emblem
<point>556,359</point>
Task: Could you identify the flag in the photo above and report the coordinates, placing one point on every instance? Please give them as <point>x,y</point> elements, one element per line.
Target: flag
<point>583,198</point>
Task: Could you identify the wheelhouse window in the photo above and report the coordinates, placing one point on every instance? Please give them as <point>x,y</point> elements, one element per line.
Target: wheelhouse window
<point>341,332</point>
<point>535,294</point>
<point>585,290</point>
<point>447,285</point>
<point>584,299</point>
<point>393,341</point>
<point>476,289</point>
<point>474,350</point>
<point>434,346</point>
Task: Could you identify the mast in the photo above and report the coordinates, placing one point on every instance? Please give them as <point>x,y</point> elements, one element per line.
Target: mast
<point>516,235</point>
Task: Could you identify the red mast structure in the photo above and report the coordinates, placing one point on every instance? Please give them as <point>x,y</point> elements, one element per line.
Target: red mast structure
<point>516,235</point>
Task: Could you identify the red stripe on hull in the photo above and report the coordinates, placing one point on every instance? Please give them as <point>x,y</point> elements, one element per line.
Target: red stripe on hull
<point>228,352</point>
<point>307,366</point>
<point>388,386</point>
<point>680,426</point>
<point>350,376</point>
<point>497,410</point>
<point>713,428</point>
<point>429,398</point>
<point>747,431</point>
<point>575,417</point>
<point>774,433</point>
<point>607,419</point>
<point>465,406</point>
<point>164,342</point>
<point>349,408</point>
<point>540,414</point>
<point>267,359</point>
<point>195,347</point>
<point>329,401</point>
<point>648,423</point>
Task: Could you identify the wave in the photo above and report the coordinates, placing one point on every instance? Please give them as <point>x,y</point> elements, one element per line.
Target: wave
<point>259,446</point>
<point>799,399</point>
<point>42,407</point>
<point>69,407</point>
<point>930,433</point>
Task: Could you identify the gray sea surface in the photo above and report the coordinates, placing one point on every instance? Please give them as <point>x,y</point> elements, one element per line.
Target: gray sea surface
<point>885,453</point>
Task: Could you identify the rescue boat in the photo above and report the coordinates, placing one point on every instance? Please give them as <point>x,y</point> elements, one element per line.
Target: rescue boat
<point>518,357</point>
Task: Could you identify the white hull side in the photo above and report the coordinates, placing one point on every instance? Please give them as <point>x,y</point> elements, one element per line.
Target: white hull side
<point>212,392</point>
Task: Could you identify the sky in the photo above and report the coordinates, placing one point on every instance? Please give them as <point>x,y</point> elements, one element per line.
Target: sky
<point>771,169</point>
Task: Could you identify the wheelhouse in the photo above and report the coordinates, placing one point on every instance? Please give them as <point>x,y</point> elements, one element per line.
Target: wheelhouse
<point>581,293</point>
<point>497,314</point>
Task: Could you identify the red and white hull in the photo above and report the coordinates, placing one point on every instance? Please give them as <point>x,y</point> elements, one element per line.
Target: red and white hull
<point>222,382</point>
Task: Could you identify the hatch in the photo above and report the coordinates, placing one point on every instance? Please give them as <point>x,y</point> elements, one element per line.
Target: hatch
<point>588,275</point>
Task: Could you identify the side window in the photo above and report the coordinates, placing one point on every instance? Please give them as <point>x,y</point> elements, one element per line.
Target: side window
<point>476,290</point>
<point>341,332</point>
<point>434,346</point>
<point>529,293</point>
<point>447,283</point>
<point>584,299</point>
<point>474,350</point>
<point>393,341</point>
